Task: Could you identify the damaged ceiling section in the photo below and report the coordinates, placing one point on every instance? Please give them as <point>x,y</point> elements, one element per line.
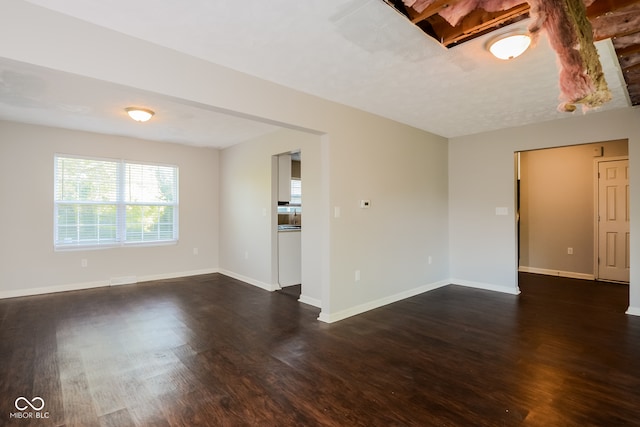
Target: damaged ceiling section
<point>622,26</point>
<point>572,27</point>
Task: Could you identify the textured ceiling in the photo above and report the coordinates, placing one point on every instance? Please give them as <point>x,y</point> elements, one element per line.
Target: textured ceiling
<point>360,53</point>
<point>36,95</point>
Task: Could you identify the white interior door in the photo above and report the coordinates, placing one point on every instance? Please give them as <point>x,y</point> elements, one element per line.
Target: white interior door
<point>613,220</point>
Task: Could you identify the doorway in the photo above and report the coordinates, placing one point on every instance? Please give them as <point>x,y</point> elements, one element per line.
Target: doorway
<point>557,202</point>
<point>289,219</point>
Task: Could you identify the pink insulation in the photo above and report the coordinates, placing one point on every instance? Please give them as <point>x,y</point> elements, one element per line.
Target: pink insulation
<point>581,78</point>
<point>455,12</point>
<point>622,21</point>
<point>626,41</point>
<point>418,5</point>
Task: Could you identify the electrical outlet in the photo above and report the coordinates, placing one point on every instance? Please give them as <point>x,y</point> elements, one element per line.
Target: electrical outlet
<point>430,259</point>
<point>502,210</point>
<point>195,251</point>
<point>84,262</point>
<point>357,276</point>
<point>570,251</point>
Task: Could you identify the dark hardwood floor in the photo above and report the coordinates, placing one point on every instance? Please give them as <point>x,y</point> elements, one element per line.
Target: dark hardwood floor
<point>210,350</point>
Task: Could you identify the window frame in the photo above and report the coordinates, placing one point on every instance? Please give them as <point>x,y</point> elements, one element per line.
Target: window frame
<point>296,188</point>
<point>120,204</point>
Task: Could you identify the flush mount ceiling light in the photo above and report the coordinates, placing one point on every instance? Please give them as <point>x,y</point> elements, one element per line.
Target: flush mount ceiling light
<point>139,114</point>
<point>509,46</point>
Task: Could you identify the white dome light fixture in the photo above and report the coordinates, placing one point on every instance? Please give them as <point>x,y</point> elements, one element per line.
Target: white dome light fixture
<point>509,46</point>
<point>139,114</point>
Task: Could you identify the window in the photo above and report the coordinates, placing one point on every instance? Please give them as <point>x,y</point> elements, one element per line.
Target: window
<point>101,202</point>
<point>295,205</point>
<point>296,192</point>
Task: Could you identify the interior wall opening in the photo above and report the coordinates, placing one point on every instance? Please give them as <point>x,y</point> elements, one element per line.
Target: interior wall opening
<point>564,208</point>
<point>288,199</point>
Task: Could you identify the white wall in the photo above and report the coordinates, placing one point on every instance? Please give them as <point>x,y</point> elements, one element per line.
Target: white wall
<point>403,172</point>
<point>401,169</point>
<point>481,178</point>
<point>248,236</point>
<point>29,262</point>
<point>393,166</point>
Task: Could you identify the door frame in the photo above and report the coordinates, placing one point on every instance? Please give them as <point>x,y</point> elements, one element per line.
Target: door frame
<point>596,210</point>
<point>275,236</point>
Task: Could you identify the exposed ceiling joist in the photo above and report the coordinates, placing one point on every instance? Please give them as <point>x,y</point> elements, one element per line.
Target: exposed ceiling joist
<point>628,51</point>
<point>602,7</point>
<point>435,8</point>
<point>479,22</point>
<point>622,21</point>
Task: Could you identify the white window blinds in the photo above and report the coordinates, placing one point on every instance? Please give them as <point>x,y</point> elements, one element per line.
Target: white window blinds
<point>100,202</point>
<point>296,192</point>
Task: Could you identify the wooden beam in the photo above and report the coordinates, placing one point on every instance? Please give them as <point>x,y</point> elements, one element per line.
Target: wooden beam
<point>476,22</point>
<point>602,7</point>
<point>616,24</point>
<point>628,51</point>
<point>634,67</point>
<point>434,8</point>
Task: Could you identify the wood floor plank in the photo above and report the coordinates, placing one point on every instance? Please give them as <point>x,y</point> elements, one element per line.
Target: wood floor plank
<point>212,351</point>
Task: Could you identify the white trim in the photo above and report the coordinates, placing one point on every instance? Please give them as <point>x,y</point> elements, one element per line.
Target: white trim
<point>359,309</point>
<point>633,311</point>
<point>15,293</point>
<point>311,301</point>
<point>487,286</point>
<point>547,272</point>
<point>200,272</point>
<point>596,213</point>
<point>123,280</point>
<point>250,281</point>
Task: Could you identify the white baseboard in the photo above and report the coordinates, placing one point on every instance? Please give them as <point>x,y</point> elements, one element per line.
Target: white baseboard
<point>633,311</point>
<point>123,280</point>
<point>250,281</point>
<point>486,286</point>
<point>15,293</point>
<point>200,272</point>
<point>343,314</point>
<point>311,301</point>
<point>569,274</point>
<point>114,281</point>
